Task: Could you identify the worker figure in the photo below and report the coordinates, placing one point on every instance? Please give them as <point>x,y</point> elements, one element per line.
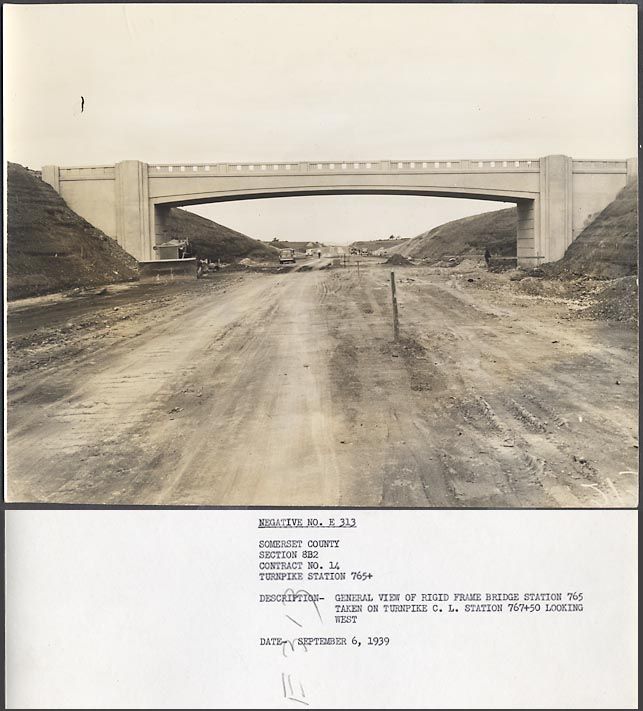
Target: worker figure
<point>201,267</point>
<point>487,257</point>
<point>319,254</point>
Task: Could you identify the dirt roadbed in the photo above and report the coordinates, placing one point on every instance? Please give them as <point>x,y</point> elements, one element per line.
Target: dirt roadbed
<point>287,389</point>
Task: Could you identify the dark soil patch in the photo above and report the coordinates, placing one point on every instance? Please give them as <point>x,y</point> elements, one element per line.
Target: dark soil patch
<point>617,300</point>
<point>398,260</point>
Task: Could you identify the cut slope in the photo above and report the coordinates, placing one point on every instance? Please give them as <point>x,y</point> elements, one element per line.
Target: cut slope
<point>214,241</point>
<point>375,244</point>
<point>469,235</point>
<point>607,247</point>
<point>49,247</point>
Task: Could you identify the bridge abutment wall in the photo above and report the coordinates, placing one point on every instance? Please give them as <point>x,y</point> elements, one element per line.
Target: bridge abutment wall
<point>88,191</point>
<point>595,184</point>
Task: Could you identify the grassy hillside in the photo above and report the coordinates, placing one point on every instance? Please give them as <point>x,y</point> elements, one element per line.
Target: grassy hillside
<point>375,244</point>
<point>607,247</point>
<point>215,241</point>
<point>49,247</point>
<point>469,235</point>
<point>297,246</point>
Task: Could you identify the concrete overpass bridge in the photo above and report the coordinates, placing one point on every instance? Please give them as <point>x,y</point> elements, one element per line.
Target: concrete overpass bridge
<point>555,196</point>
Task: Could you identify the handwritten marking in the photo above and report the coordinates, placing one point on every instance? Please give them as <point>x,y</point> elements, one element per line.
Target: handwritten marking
<point>310,599</point>
<point>295,621</point>
<point>290,694</point>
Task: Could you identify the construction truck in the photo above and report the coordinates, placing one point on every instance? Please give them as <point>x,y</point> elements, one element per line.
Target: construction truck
<point>287,256</point>
<point>176,259</point>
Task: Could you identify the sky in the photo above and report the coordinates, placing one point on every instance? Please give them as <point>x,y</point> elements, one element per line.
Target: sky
<point>328,82</point>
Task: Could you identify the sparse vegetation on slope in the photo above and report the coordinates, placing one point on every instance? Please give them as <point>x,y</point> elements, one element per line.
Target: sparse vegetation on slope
<point>607,247</point>
<point>49,247</point>
<point>213,241</point>
<point>605,253</point>
<point>469,235</point>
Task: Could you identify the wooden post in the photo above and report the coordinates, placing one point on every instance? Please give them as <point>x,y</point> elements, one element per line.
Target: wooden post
<point>358,267</point>
<point>396,323</point>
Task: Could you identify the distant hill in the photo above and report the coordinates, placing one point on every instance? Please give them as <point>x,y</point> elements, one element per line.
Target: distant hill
<point>607,247</point>
<point>374,244</point>
<point>469,235</point>
<point>297,246</point>
<point>214,241</point>
<point>49,247</point>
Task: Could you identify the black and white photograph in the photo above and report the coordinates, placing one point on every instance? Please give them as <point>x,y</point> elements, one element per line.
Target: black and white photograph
<point>321,355</point>
<point>322,255</point>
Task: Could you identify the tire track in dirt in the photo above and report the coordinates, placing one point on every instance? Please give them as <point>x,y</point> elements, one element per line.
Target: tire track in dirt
<point>274,444</point>
<point>391,466</point>
<point>543,437</point>
<point>97,440</point>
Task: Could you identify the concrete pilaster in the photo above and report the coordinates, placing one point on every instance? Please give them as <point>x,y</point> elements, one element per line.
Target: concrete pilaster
<point>632,170</point>
<point>555,207</point>
<point>161,213</point>
<point>527,247</point>
<point>132,212</point>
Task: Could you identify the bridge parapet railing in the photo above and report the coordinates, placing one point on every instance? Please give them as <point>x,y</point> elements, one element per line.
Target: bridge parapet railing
<point>460,165</point>
<point>392,166</point>
<point>511,164</point>
<point>99,172</point>
<point>259,168</point>
<point>220,168</point>
<point>599,166</point>
<point>94,172</point>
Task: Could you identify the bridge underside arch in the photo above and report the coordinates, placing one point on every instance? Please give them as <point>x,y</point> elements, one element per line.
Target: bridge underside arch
<point>205,198</point>
<point>525,202</point>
